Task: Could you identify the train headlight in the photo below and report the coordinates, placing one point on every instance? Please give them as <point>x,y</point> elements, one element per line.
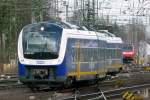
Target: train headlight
<point>42,28</point>
<point>127,53</point>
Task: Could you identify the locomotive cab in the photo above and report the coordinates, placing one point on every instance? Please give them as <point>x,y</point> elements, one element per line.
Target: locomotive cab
<point>38,49</point>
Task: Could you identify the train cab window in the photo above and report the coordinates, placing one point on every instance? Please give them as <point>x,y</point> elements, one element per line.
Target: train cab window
<point>41,41</point>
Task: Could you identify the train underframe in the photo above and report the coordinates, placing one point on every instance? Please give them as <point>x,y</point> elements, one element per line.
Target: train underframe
<point>46,78</point>
<point>128,60</point>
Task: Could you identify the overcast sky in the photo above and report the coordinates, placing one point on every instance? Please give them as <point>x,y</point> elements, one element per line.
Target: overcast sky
<point>122,9</point>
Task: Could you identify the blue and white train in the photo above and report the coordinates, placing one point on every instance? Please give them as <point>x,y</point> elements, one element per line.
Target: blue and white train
<point>53,52</point>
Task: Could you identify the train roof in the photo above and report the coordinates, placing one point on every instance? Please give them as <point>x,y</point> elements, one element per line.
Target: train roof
<point>107,33</point>
<point>83,31</point>
<point>94,35</point>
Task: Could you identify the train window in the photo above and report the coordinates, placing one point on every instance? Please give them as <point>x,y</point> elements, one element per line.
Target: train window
<point>120,53</point>
<point>73,54</point>
<point>76,55</point>
<point>41,41</point>
<point>80,50</point>
<point>104,53</point>
<point>90,54</point>
<point>109,54</point>
<point>112,54</point>
<point>98,54</point>
<point>127,47</point>
<point>85,55</point>
<point>116,53</point>
<point>74,51</point>
<point>95,54</point>
<point>116,50</point>
<point>101,54</point>
<point>81,54</point>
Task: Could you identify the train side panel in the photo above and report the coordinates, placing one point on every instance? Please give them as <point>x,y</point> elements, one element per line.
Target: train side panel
<point>90,62</point>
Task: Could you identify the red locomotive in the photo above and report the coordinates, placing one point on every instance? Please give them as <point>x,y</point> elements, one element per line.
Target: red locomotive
<point>128,53</point>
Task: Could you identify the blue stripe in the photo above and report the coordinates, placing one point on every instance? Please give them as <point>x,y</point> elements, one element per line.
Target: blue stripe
<point>21,69</point>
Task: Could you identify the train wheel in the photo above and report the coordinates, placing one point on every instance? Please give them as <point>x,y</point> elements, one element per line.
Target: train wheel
<point>97,79</point>
<point>33,88</point>
<point>69,82</point>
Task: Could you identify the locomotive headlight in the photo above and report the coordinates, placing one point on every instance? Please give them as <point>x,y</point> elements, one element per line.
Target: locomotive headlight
<point>127,53</point>
<point>42,28</point>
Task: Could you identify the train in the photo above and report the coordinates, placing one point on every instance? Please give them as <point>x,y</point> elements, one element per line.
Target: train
<point>116,42</point>
<point>128,53</point>
<point>52,52</point>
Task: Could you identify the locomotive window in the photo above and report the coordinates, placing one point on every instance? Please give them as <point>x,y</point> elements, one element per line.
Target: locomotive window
<point>127,47</point>
<point>41,41</point>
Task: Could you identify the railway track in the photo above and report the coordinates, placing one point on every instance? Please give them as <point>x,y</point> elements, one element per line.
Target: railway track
<point>80,93</point>
<point>11,86</point>
<point>123,78</point>
<point>11,83</point>
<point>108,89</point>
<point>97,93</point>
<point>105,90</point>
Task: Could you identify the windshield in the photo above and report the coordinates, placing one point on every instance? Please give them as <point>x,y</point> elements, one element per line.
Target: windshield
<point>41,41</point>
<point>127,48</point>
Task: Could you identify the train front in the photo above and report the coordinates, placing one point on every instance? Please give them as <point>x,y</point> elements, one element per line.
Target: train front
<point>38,53</point>
<point>128,54</point>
